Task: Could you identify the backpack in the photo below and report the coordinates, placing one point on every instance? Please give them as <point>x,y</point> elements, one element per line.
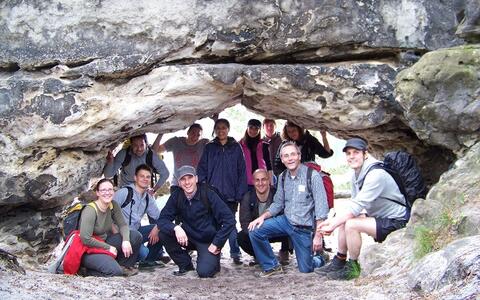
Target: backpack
<point>404,170</point>
<point>71,217</point>
<point>203,187</point>
<point>148,162</point>
<point>327,181</point>
<point>129,200</point>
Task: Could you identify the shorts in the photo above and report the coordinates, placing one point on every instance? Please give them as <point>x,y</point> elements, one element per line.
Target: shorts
<point>386,226</point>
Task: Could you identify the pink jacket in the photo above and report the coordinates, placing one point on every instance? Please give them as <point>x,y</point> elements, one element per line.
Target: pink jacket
<point>248,159</point>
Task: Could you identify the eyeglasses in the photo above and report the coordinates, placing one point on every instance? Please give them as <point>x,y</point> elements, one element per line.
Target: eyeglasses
<point>104,191</point>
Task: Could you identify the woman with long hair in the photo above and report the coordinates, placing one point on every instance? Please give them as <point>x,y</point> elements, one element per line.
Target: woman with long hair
<point>256,152</point>
<point>308,144</point>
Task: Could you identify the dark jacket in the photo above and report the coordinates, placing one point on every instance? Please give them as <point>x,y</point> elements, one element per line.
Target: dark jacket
<point>309,147</point>
<point>200,223</point>
<point>223,167</point>
<point>249,207</point>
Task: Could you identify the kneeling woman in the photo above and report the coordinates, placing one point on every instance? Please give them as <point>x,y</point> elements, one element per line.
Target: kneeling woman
<point>96,221</point>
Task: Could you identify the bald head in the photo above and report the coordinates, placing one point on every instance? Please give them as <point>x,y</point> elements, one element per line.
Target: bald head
<point>261,181</point>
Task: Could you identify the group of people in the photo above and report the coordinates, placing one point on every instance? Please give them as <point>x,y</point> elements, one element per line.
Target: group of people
<point>211,180</point>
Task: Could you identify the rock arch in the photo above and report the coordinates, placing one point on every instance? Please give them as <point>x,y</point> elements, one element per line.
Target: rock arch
<point>78,77</point>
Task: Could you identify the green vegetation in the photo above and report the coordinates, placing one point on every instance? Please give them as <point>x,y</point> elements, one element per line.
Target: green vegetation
<point>440,230</point>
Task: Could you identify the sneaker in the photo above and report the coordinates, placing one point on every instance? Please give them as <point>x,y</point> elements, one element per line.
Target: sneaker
<point>237,261</point>
<point>351,270</point>
<point>147,264</point>
<point>334,265</point>
<point>277,270</point>
<point>129,271</point>
<point>283,257</point>
<point>183,271</point>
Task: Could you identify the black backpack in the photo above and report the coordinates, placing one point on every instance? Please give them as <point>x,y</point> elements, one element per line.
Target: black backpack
<point>71,217</point>
<point>129,200</point>
<point>148,162</point>
<point>203,187</point>
<point>404,170</point>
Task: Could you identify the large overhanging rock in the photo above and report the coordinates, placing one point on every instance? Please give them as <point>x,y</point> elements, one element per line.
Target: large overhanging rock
<point>59,127</point>
<point>141,34</point>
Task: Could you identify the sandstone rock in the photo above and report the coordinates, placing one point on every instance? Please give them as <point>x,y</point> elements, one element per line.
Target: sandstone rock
<point>469,28</point>
<point>441,97</point>
<point>9,263</point>
<point>138,36</point>
<point>457,264</point>
<point>60,144</point>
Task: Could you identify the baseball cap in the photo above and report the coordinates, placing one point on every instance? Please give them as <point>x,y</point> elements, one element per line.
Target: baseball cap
<point>185,170</point>
<point>356,143</point>
<point>255,123</point>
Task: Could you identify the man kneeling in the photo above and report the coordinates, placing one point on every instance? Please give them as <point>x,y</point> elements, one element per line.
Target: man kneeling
<point>379,196</point>
<point>206,224</point>
<point>254,204</point>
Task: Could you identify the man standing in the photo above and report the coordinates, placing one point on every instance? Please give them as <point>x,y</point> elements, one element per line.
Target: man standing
<point>186,151</point>
<point>379,196</point>
<point>136,202</point>
<point>301,209</point>
<point>253,204</point>
<point>273,139</point>
<point>206,224</point>
<point>129,159</point>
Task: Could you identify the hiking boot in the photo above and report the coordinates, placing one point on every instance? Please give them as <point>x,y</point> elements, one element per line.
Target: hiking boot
<point>277,270</point>
<point>334,265</point>
<point>129,271</point>
<point>147,264</point>
<point>283,257</point>
<point>237,261</point>
<point>183,271</point>
<point>351,270</point>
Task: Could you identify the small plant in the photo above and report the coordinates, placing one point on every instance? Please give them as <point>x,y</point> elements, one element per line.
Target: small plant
<point>425,241</point>
<point>440,230</point>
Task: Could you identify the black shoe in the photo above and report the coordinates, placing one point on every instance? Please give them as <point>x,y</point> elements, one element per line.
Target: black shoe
<point>165,259</point>
<point>237,261</point>
<point>252,263</point>
<point>334,265</point>
<point>351,270</point>
<point>183,271</point>
<point>147,264</point>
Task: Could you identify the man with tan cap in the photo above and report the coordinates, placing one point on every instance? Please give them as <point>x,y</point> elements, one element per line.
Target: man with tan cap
<point>379,196</point>
<point>206,222</point>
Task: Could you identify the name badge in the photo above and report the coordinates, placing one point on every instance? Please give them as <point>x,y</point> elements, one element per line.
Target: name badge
<point>301,188</point>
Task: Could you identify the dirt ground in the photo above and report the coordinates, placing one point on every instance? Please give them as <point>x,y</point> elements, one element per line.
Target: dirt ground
<point>233,282</point>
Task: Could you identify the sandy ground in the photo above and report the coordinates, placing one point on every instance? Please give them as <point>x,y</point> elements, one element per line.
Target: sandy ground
<point>233,282</point>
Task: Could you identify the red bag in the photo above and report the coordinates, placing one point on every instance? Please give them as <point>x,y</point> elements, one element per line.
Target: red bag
<point>327,181</point>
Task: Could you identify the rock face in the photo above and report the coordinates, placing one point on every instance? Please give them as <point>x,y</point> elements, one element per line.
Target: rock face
<point>112,39</point>
<point>458,261</point>
<point>441,94</point>
<point>77,77</point>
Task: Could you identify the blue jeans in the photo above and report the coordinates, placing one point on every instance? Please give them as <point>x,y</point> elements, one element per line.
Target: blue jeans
<point>154,251</point>
<point>232,238</point>
<point>276,227</point>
